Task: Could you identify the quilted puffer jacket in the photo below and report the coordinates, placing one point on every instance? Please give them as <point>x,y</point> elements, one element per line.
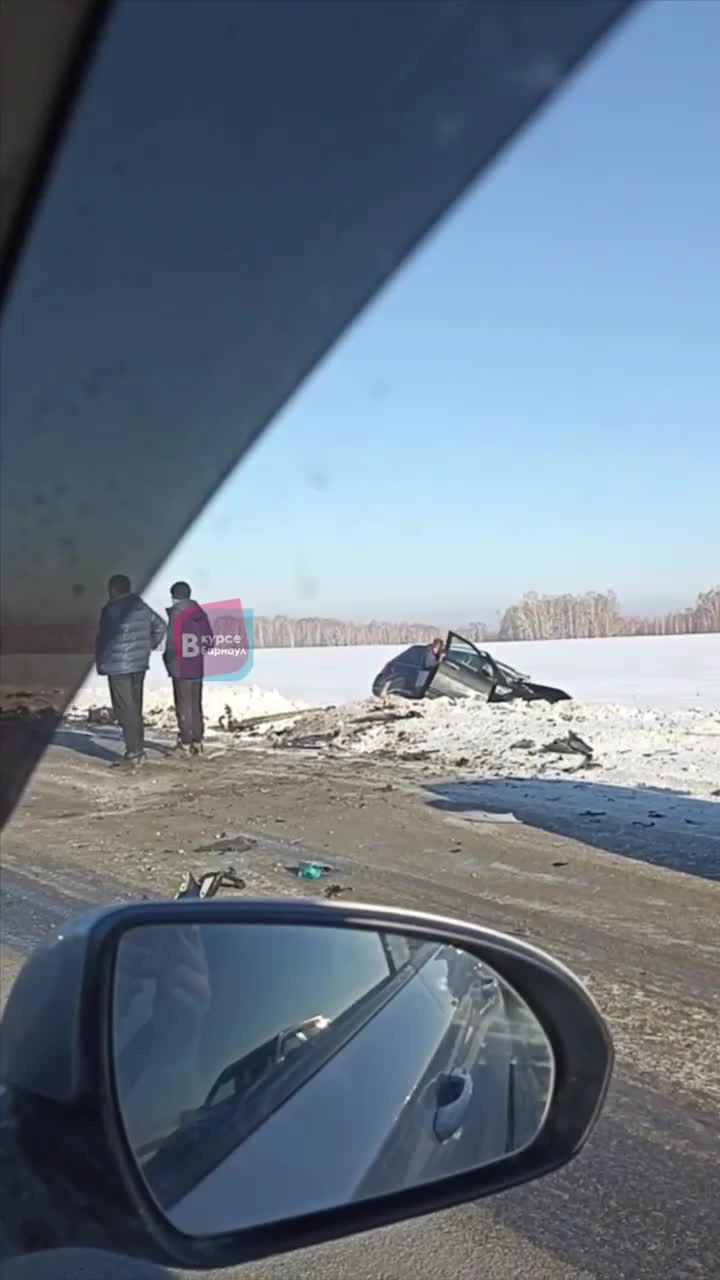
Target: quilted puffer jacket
<point>128,632</point>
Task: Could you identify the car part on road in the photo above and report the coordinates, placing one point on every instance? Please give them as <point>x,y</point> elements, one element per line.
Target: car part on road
<point>230,724</point>
<point>337,890</point>
<point>571,744</point>
<point>174,1045</point>
<point>100,716</point>
<point>228,844</point>
<point>209,884</point>
<point>312,870</point>
<point>461,670</point>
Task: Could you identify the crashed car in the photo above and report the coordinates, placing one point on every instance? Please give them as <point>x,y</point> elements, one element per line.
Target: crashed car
<point>458,670</point>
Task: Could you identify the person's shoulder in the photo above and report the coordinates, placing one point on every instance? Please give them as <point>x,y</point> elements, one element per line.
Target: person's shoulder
<point>193,612</point>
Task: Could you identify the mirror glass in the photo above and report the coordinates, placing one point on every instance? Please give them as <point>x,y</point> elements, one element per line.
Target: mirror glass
<point>268,1071</point>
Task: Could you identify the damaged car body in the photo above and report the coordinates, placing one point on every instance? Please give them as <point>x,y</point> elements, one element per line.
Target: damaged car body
<point>460,670</point>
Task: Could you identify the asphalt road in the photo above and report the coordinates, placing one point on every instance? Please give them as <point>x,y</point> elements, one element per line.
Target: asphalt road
<point>642,1198</point>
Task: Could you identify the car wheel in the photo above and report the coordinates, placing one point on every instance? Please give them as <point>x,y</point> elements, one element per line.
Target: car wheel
<point>392,686</point>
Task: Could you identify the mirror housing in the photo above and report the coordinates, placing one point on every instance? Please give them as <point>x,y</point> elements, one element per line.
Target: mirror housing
<point>57,1055</point>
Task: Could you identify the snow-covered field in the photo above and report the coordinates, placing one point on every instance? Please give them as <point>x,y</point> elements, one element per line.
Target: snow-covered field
<point>663,672</point>
<point>649,708</point>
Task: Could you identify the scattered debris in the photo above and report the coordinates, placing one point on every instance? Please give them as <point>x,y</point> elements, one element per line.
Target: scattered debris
<point>571,744</point>
<point>310,741</point>
<point>630,746</point>
<point>209,883</point>
<point>387,716</point>
<point>101,715</point>
<point>311,870</point>
<point>230,724</point>
<point>336,890</point>
<point>228,844</point>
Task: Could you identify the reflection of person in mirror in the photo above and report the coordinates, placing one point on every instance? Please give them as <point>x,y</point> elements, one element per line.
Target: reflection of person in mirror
<point>162,994</point>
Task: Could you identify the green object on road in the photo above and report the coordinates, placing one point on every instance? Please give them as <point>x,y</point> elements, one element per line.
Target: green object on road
<point>311,870</point>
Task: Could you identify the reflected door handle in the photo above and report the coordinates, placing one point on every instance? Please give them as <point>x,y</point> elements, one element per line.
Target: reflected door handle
<point>454,1092</point>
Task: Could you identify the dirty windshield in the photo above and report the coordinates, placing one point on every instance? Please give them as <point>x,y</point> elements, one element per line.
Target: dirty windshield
<point>514,447</point>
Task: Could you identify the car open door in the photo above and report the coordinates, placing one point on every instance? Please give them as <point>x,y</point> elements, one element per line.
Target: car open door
<point>463,670</point>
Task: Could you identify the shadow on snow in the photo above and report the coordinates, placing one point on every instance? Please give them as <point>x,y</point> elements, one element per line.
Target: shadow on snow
<point>649,824</point>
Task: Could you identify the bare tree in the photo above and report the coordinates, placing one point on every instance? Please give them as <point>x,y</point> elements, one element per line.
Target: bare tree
<point>534,617</point>
<point>598,614</point>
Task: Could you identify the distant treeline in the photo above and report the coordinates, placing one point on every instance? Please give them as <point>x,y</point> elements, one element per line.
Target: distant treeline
<point>535,617</point>
<point>598,614</point>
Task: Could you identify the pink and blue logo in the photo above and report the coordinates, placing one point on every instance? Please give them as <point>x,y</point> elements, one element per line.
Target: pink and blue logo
<point>213,641</point>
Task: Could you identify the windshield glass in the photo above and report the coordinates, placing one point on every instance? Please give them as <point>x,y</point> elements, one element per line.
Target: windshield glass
<point>299,377</point>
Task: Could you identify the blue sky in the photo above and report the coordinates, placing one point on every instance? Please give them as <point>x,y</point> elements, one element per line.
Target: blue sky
<point>534,403</point>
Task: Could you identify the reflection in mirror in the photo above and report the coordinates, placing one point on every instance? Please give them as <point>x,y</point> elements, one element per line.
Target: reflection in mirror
<point>268,1071</point>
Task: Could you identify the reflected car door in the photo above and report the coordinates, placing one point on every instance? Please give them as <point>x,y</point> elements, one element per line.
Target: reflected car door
<point>460,1114</point>
<point>315,1151</point>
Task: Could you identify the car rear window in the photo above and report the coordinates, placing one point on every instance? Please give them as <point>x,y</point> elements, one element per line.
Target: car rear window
<point>413,657</point>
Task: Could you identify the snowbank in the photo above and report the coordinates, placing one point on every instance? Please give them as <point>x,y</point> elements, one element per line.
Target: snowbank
<point>675,749</point>
<point>246,701</point>
<point>678,750</point>
<point>651,791</point>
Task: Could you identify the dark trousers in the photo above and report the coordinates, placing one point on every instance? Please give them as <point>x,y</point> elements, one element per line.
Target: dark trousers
<point>126,695</point>
<point>187,695</point>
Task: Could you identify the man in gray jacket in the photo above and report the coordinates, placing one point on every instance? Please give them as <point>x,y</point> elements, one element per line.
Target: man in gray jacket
<point>127,633</point>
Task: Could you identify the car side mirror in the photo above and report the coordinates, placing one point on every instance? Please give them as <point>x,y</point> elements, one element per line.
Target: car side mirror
<point>269,1075</point>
